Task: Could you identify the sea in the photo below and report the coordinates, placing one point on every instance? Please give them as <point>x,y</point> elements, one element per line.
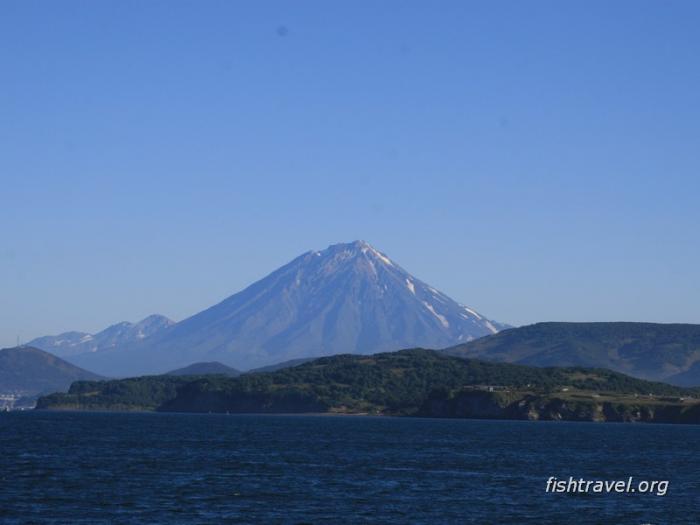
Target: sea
<point>140,468</point>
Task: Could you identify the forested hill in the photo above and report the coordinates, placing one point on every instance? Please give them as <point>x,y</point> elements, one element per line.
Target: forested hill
<point>409,382</point>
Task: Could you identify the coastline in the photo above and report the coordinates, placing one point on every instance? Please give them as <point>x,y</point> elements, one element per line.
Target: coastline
<point>104,410</point>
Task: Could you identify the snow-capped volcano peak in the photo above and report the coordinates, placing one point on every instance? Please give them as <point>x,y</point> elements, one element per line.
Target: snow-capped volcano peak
<point>372,252</point>
<point>347,298</point>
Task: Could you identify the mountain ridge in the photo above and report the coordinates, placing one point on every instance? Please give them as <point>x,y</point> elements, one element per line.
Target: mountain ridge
<point>70,344</point>
<point>654,351</point>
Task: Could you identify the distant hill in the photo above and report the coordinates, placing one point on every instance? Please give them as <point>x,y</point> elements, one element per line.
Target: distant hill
<point>689,377</point>
<point>660,352</point>
<point>29,371</point>
<point>348,298</point>
<point>410,382</point>
<point>72,344</point>
<point>198,369</point>
<point>280,366</point>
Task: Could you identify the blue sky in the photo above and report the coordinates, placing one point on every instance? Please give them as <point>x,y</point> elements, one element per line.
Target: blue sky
<point>535,160</point>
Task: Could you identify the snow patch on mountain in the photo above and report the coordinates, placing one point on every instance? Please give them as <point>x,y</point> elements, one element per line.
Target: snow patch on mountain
<point>441,318</point>
<point>410,286</point>
<point>471,312</point>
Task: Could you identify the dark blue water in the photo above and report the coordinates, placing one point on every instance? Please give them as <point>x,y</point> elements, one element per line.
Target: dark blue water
<point>166,468</point>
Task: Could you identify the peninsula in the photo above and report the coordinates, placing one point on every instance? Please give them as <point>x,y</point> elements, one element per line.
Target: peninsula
<point>413,382</point>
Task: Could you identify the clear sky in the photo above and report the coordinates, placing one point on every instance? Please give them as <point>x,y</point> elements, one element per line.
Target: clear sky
<point>535,160</point>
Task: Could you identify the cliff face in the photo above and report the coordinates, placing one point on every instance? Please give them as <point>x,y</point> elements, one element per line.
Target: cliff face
<point>480,404</point>
<point>467,404</point>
